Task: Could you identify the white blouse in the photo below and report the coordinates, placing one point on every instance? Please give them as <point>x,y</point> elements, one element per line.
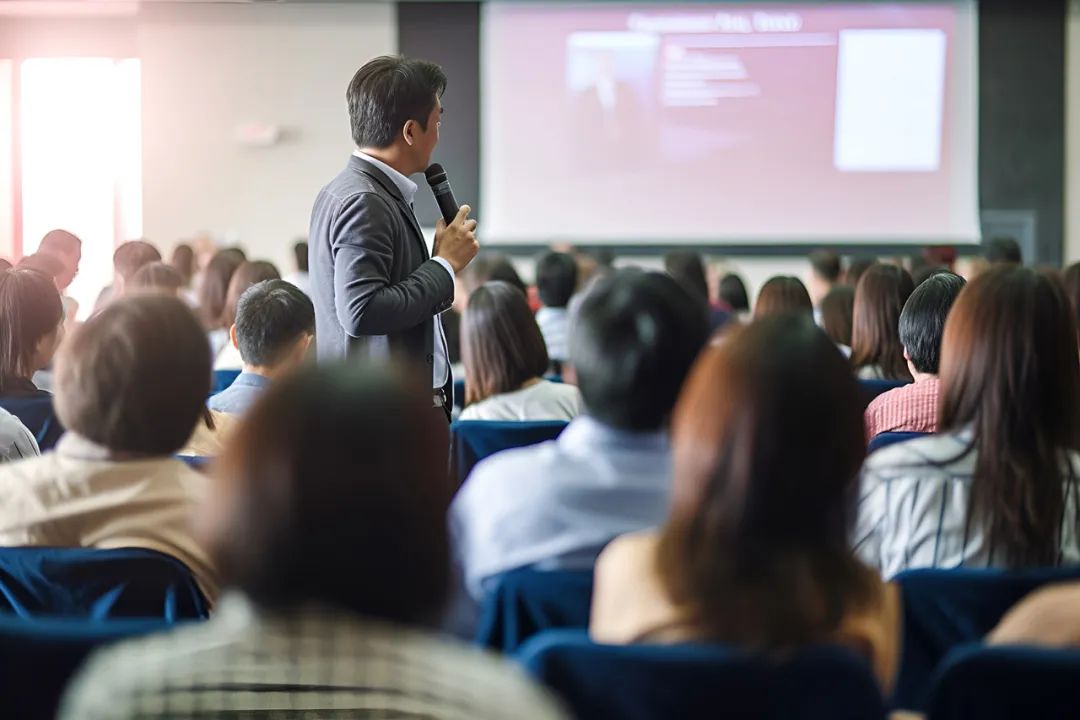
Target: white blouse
<point>543,400</point>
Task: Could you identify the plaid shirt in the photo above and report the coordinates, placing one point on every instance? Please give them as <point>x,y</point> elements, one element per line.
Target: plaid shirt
<point>911,408</point>
<point>313,663</point>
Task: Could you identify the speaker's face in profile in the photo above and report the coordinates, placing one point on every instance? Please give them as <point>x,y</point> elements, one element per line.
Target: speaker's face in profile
<point>423,140</point>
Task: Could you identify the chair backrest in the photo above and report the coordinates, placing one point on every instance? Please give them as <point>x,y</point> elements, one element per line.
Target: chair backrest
<point>38,415</point>
<point>97,584</point>
<point>1001,683</point>
<point>886,439</point>
<point>872,388</point>
<point>474,440</point>
<point>525,602</point>
<point>690,681</point>
<point>40,656</point>
<point>223,379</point>
<point>943,609</point>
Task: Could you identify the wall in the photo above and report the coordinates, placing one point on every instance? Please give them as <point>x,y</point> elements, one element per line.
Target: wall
<point>1072,136</point>
<point>209,68</point>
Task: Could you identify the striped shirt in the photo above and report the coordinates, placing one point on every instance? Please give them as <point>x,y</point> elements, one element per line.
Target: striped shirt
<point>16,441</point>
<point>913,508</point>
<point>316,662</point>
<point>910,408</point>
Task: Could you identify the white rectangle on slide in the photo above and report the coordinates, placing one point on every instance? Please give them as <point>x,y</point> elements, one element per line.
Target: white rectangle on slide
<point>890,87</point>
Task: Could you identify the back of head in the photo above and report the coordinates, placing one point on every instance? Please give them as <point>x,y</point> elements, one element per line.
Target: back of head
<point>767,442</point>
<point>1010,371</point>
<point>132,255</point>
<point>922,321</point>
<point>491,266</point>
<point>245,276</point>
<point>183,261</point>
<point>688,269</point>
<point>215,285</point>
<point>300,255</point>
<point>733,292</point>
<point>157,277</point>
<point>632,342</point>
<point>875,337</point>
<point>332,463</point>
<point>386,93</point>
<point>4,265</point>
<point>826,265</point>
<point>30,309</point>
<point>271,317</point>
<point>782,295</point>
<point>44,262</point>
<point>134,377</point>
<point>60,242</point>
<point>556,278</point>
<point>502,346</point>
<point>1003,250</point>
<point>858,265</point>
<point>837,310</point>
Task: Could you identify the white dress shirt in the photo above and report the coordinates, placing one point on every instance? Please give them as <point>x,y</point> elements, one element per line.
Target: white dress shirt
<point>559,503</point>
<point>913,508</point>
<point>16,441</point>
<point>441,363</point>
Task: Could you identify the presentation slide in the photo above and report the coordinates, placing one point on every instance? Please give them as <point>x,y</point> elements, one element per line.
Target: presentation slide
<point>731,123</point>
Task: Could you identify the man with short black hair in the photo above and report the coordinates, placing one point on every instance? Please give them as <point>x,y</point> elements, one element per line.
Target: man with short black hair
<point>633,341</point>
<point>275,324</point>
<point>824,274</point>
<point>378,292</point>
<point>1003,250</point>
<point>556,281</point>
<point>913,408</point>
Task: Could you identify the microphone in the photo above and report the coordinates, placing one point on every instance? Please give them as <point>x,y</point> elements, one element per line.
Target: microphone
<point>444,194</point>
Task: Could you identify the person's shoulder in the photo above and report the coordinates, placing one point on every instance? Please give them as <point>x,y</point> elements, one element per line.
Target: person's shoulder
<point>511,475</point>
<point>626,553</point>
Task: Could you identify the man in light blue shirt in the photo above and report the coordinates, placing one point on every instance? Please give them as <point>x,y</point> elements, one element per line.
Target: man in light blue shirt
<point>556,505</point>
<point>274,328</point>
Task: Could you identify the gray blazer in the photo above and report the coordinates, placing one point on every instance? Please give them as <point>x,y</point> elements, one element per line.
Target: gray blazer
<point>375,287</point>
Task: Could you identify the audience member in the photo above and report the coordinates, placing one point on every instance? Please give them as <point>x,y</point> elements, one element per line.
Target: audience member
<point>45,263</point>
<point>31,328</point>
<point>733,294</point>
<point>876,352</point>
<point>328,460</point>
<point>781,295</point>
<point>556,281</point>
<point>215,286</point>
<point>131,383</point>
<point>68,248</point>
<point>5,265</point>
<point>299,277</point>
<point>837,310</point>
<point>767,443</point>
<point>183,261</point>
<point>558,503</point>
<point>485,268</point>
<point>1003,250</point>
<point>688,269</point>
<point>127,259</point>
<point>227,357</point>
<point>971,267</point>
<point>914,407</point>
<point>997,485</point>
<point>273,331</point>
<point>157,277</point>
<point>505,359</point>
<point>824,274</point>
<point>16,440</point>
<point>856,267</point>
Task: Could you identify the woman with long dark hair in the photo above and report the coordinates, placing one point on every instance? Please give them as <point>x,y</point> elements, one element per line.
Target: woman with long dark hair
<point>876,351</point>
<point>767,442</point>
<point>998,485</point>
<point>783,294</point>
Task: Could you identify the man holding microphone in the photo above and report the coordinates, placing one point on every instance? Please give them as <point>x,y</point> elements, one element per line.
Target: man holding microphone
<point>377,292</point>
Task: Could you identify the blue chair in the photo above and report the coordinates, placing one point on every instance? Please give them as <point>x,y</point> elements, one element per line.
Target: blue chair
<point>40,656</point>
<point>525,602</point>
<point>944,609</point>
<point>97,584</point>
<point>1007,683</point>
<point>37,413</point>
<point>886,439</point>
<point>474,440</point>
<point>872,388</point>
<point>223,379</point>
<point>691,681</point>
